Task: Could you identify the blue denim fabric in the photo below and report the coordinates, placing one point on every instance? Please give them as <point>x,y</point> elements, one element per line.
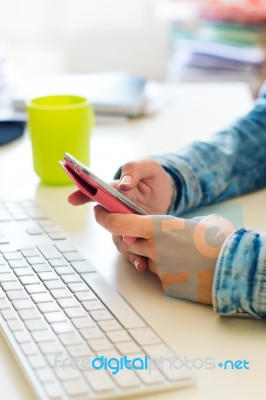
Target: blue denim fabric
<point>231,163</point>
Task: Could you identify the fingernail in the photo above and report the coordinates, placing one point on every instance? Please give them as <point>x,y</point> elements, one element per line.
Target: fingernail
<point>136,264</point>
<point>127,179</point>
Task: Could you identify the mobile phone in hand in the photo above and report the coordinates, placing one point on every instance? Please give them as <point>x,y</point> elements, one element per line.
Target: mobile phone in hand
<point>98,190</point>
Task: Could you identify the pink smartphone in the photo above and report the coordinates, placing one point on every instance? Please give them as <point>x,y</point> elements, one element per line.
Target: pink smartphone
<point>97,190</point>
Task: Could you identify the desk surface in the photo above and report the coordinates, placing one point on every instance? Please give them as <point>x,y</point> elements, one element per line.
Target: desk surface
<point>193,111</point>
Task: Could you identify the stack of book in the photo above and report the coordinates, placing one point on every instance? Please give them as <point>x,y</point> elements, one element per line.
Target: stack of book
<point>227,42</point>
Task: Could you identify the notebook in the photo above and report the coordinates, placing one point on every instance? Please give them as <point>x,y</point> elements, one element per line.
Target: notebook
<point>110,93</point>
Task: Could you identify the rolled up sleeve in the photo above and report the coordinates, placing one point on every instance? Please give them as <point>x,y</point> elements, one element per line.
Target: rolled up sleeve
<point>239,286</point>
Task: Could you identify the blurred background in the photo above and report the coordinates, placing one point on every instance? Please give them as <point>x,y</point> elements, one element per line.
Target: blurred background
<point>174,40</point>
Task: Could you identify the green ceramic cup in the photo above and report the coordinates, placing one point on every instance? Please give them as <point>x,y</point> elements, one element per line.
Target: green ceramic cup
<point>59,124</point>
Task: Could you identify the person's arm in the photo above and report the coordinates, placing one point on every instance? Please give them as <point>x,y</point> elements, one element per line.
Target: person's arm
<point>231,163</point>
<point>239,284</point>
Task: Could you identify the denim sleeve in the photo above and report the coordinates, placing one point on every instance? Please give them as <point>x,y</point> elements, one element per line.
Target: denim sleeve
<point>240,276</point>
<point>231,163</point>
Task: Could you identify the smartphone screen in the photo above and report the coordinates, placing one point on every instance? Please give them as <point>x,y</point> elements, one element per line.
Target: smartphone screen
<point>98,190</point>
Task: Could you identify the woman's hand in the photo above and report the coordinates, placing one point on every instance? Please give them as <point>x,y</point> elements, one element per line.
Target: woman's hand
<point>144,182</point>
<point>183,253</point>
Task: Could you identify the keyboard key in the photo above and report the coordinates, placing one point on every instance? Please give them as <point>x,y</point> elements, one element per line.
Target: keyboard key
<point>54,391</point>
<point>29,280</point>
<point>109,325</point>
<point>100,344</point>
<point>43,335</point>
<point>92,332</point>
<point>118,336</point>
<point>4,268</point>
<point>19,216</point>
<point>7,277</point>
<point>61,293</point>
<point>100,381</point>
<point>22,304</point>
<point>68,302</point>
<point>158,350</point>
<point>174,374</point>
<point>57,235</point>
<point>58,262</point>
<point>32,252</point>
<point>34,230</point>
<point>41,297</point>
<point>76,387</point>
<point>49,251</point>
<point>29,314</point>
<point>101,315</point>
<point>65,374</point>
<point>35,260</point>
<point>91,305</point>
<point>15,325</point>
<point>29,348</point>
<point>144,336</point>
<point>9,314</point>
<point>65,246</point>
<point>70,338</point>
<point>126,379</point>
<point>36,361</point>
<point>4,304</point>
<point>64,270</point>
<point>48,307</point>
<point>18,263</point>
<point>55,284</point>
<point>52,317</point>
<point>44,374</point>
<point>47,276</point>
<point>79,350</point>
<point>126,348</point>
<point>75,312</point>
<point>41,268</point>
<point>14,255</point>
<point>71,278</point>
<point>23,271</point>
<point>86,295</point>
<point>82,266</point>
<point>150,376</point>
<point>78,287</point>
<point>83,322</point>
<point>62,327</point>
<point>74,256</point>
<point>22,336</point>
<point>35,324</point>
<point>8,286</point>
<point>36,212</point>
<point>16,294</point>
<point>50,347</point>
<point>38,288</point>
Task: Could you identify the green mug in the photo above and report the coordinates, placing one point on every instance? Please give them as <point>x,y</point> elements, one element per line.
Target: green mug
<point>58,124</point>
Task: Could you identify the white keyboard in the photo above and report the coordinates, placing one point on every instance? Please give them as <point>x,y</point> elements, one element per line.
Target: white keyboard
<point>64,322</point>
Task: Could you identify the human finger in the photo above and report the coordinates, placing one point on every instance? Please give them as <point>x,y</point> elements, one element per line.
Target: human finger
<point>139,262</point>
<point>134,171</point>
<point>125,224</point>
<point>78,198</point>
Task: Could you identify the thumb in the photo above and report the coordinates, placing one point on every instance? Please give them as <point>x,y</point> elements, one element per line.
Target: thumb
<point>130,176</point>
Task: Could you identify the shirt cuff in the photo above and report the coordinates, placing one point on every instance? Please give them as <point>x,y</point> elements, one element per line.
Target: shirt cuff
<point>187,193</point>
<point>239,286</point>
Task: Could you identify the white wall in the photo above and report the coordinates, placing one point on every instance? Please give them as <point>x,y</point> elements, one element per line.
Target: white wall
<point>50,36</point>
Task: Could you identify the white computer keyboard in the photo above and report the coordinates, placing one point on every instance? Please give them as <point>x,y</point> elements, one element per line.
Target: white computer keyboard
<point>64,322</point>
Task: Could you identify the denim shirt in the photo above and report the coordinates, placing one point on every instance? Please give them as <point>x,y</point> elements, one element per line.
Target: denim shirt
<point>231,163</point>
